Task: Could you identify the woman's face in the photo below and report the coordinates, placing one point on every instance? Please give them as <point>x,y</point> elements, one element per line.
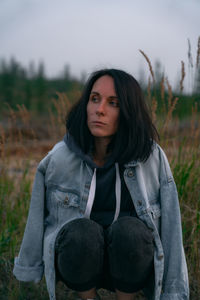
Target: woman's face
<point>103,108</point>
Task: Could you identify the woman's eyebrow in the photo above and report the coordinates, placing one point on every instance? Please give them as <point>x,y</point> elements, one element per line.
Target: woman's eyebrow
<point>93,92</point>
<point>113,97</point>
<point>96,93</point>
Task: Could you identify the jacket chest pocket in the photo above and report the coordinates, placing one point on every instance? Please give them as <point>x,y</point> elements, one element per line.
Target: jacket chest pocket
<point>65,199</point>
<point>67,204</point>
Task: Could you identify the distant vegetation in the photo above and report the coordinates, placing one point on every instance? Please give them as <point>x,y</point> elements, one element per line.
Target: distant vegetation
<point>32,121</point>
<point>31,87</point>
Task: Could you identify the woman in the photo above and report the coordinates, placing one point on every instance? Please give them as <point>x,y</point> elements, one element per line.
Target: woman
<point>104,210</point>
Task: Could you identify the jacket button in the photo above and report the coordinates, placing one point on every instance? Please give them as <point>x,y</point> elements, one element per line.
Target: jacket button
<point>66,200</point>
<point>160,257</point>
<point>139,202</point>
<point>130,173</point>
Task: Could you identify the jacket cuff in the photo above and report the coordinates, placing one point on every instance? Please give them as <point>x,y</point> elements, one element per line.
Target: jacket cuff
<point>172,296</point>
<point>23,273</point>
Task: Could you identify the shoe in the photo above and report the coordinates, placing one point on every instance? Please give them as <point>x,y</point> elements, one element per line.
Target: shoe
<point>96,298</point>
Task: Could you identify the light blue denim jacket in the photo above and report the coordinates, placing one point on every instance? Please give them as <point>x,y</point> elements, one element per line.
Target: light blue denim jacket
<point>60,194</point>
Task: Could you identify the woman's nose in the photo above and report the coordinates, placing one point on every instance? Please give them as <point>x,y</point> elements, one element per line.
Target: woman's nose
<point>101,108</point>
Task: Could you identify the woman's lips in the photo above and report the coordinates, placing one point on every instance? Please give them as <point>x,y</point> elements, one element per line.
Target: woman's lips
<point>98,123</point>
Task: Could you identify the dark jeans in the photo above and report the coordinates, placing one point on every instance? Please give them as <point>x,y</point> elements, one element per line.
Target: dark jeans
<point>119,257</point>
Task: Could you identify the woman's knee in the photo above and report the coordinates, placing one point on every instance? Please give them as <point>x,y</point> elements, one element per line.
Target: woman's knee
<point>79,233</point>
<point>131,251</point>
<point>130,232</point>
<point>79,250</point>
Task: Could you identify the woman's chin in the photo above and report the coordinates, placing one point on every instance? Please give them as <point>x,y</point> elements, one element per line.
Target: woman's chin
<point>99,133</point>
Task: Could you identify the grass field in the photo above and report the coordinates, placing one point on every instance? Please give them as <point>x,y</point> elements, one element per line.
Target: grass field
<point>25,139</point>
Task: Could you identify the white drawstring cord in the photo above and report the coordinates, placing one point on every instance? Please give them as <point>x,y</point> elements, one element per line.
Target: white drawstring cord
<point>117,192</point>
<point>92,194</point>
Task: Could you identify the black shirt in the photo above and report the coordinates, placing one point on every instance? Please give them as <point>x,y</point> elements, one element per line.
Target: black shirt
<point>104,206</point>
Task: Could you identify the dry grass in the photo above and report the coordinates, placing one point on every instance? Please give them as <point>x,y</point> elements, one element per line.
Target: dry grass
<point>149,64</point>
<point>24,140</point>
<point>198,53</point>
<point>182,75</point>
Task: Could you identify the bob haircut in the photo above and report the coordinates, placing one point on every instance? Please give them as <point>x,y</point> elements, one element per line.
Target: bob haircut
<point>136,133</point>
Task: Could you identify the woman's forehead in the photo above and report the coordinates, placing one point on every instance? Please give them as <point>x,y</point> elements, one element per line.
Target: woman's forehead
<point>104,84</point>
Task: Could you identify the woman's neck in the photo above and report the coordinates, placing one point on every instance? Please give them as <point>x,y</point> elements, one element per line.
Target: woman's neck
<point>100,150</point>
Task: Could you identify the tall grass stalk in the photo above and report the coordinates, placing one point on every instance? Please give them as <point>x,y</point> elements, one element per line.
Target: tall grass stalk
<point>23,143</point>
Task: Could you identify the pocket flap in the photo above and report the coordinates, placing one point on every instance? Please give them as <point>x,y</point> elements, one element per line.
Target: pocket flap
<point>66,199</point>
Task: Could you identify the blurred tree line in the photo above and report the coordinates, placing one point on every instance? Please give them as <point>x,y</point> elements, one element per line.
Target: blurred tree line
<point>157,88</point>
<point>32,88</point>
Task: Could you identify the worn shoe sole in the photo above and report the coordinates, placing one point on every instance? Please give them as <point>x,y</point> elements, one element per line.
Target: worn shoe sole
<point>96,298</point>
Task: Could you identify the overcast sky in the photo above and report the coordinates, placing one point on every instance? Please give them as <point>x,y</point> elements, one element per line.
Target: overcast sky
<point>91,34</point>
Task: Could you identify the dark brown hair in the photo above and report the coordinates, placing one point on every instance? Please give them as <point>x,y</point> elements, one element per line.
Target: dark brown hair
<point>136,133</point>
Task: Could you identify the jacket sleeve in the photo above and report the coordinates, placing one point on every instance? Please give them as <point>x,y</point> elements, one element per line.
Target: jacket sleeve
<point>28,265</point>
<point>175,280</point>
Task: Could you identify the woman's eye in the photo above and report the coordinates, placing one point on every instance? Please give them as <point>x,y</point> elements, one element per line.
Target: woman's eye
<point>114,103</point>
<point>94,99</point>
